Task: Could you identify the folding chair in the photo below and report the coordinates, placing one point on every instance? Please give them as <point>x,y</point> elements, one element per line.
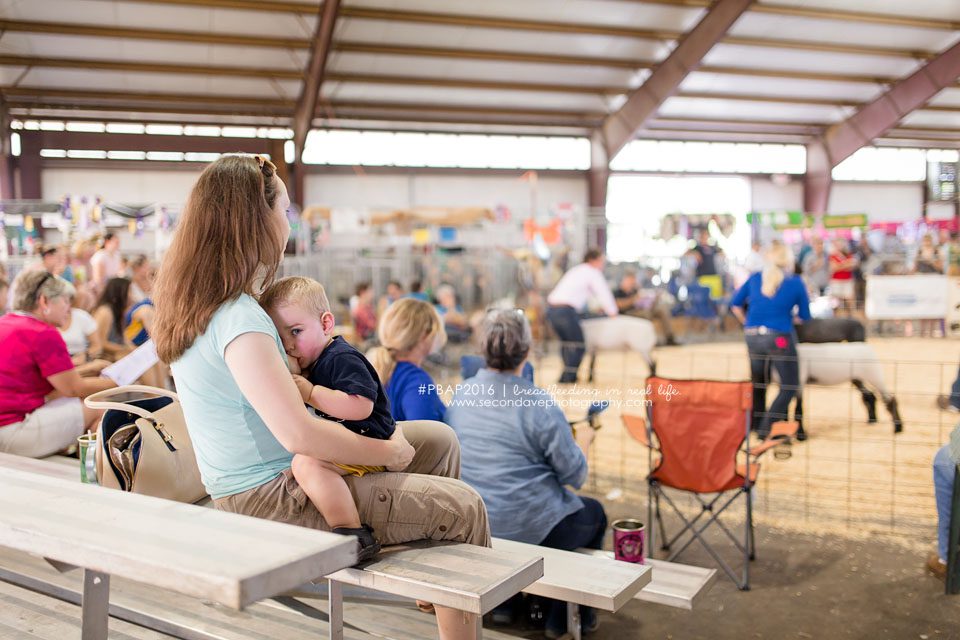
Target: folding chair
<point>697,433</point>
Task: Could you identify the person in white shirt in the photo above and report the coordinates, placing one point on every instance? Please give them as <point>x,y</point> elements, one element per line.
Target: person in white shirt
<point>569,299</point>
<point>754,261</point>
<point>106,263</point>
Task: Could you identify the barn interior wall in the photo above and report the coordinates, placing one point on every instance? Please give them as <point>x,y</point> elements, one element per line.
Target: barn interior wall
<point>432,190</point>
<point>881,201</point>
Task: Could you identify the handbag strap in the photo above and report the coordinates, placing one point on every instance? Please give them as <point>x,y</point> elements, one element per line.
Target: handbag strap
<point>101,399</point>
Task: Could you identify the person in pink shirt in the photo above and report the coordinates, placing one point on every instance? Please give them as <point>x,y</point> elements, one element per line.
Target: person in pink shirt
<point>40,390</point>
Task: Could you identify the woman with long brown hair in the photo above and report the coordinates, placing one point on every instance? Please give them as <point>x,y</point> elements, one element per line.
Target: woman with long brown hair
<point>243,410</point>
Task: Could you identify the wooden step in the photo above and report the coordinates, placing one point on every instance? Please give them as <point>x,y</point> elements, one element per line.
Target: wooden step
<point>175,614</point>
<point>32,615</point>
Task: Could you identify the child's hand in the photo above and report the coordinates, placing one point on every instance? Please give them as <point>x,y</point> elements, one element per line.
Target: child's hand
<point>304,386</point>
<point>404,452</point>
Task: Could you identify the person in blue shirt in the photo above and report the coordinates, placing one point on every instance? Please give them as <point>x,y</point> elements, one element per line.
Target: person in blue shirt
<point>519,452</point>
<point>416,292</point>
<point>771,296</point>
<point>409,331</point>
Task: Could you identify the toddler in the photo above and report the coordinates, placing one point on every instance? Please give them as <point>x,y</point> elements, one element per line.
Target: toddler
<point>340,385</point>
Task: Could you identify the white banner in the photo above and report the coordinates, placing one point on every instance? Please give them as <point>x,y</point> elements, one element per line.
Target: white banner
<point>953,307</point>
<point>907,297</point>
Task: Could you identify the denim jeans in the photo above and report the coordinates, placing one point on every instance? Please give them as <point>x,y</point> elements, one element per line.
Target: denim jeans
<point>768,353</point>
<point>566,323</point>
<point>583,528</point>
<point>943,470</point>
<point>955,392</point>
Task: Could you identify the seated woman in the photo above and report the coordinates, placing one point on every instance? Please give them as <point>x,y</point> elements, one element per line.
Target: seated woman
<point>243,410</point>
<point>82,338</point>
<point>109,313</point>
<point>520,456</point>
<point>137,324</point>
<point>409,331</point>
<point>40,390</point>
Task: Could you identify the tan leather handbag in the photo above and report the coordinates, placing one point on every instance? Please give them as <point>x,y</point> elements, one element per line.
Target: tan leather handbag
<point>143,445</point>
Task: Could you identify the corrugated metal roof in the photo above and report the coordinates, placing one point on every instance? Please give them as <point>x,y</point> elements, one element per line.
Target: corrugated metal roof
<point>537,65</point>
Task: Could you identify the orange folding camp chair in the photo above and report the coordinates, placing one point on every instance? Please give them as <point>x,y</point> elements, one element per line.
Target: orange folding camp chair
<point>697,432</point>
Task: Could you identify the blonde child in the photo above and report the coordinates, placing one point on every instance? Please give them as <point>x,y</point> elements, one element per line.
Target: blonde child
<point>340,385</point>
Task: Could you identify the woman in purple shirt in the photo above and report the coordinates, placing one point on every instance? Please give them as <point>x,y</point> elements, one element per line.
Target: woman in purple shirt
<point>772,295</point>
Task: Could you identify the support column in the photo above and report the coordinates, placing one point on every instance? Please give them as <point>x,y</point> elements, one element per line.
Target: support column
<point>7,185</point>
<point>30,184</point>
<point>597,179</point>
<point>277,155</point>
<point>818,180</point>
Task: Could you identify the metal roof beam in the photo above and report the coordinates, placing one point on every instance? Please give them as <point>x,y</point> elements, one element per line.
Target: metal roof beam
<point>826,14</point>
<point>781,10</point>
<point>510,56</point>
<point>165,35</point>
<point>145,142</point>
<point>871,121</point>
<point>618,128</point>
<point>310,91</point>
<point>148,67</point>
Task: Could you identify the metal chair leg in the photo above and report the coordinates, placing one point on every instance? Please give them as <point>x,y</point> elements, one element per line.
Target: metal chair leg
<point>664,540</point>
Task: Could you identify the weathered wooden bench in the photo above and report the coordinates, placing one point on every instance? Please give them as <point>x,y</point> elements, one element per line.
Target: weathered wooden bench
<point>165,612</point>
<point>460,576</point>
<point>465,577</point>
<point>578,579</point>
<point>191,550</point>
<point>673,584</point>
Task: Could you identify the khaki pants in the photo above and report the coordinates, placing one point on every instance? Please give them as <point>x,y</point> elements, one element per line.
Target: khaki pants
<point>426,501</point>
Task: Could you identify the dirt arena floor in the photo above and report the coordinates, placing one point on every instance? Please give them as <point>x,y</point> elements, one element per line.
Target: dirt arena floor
<point>844,525</point>
<point>804,586</point>
<point>849,476</point>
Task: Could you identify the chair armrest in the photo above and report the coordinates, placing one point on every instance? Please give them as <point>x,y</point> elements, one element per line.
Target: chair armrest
<point>636,426</point>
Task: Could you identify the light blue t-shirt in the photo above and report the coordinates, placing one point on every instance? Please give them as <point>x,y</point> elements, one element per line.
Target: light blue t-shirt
<point>235,449</point>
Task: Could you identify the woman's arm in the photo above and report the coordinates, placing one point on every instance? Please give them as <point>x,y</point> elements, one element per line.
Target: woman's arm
<point>104,318</point>
<point>91,368</point>
<point>144,314</point>
<point>97,269</point>
<point>95,344</point>
<point>71,385</point>
<point>738,300</point>
<point>566,454</point>
<point>738,314</point>
<point>262,377</point>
